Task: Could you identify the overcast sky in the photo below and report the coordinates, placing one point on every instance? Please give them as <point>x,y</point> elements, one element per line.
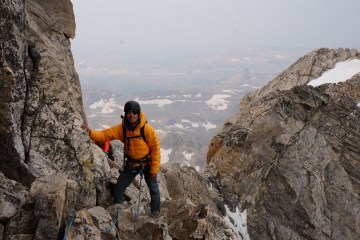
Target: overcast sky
<point>169,27</point>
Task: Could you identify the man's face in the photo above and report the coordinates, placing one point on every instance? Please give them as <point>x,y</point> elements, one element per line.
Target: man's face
<point>132,116</point>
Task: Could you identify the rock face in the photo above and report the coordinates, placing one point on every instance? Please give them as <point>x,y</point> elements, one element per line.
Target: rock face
<point>42,108</point>
<point>291,156</point>
<point>41,105</point>
<point>289,160</point>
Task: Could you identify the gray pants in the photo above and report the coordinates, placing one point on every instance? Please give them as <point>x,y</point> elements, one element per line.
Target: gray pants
<point>126,178</point>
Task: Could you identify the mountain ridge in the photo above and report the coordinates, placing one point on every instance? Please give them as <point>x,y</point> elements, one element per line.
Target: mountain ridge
<point>295,150</point>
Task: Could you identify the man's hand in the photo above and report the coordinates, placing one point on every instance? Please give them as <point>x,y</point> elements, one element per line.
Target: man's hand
<point>153,176</point>
<point>85,126</point>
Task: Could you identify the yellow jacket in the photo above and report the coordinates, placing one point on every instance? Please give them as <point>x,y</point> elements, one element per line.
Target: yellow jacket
<point>136,148</point>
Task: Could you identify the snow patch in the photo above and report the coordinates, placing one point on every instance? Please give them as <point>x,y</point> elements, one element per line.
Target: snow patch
<point>159,102</point>
<point>218,102</point>
<point>106,106</point>
<point>188,156</point>
<point>280,56</point>
<point>238,224</point>
<point>232,91</point>
<point>161,133</point>
<point>177,125</point>
<point>248,85</point>
<point>193,124</point>
<point>208,126</point>
<point>228,91</point>
<point>165,155</point>
<point>340,73</point>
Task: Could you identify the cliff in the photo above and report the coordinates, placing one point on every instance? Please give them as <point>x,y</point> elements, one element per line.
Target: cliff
<point>291,156</point>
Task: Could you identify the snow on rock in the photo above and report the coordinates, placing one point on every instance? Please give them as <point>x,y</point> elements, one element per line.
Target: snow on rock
<point>340,73</point>
<point>237,221</point>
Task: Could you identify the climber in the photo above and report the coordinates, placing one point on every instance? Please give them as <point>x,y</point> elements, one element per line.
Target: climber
<point>107,148</point>
<point>141,152</point>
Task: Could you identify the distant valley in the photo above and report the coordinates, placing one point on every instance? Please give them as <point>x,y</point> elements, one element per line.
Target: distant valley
<point>187,103</point>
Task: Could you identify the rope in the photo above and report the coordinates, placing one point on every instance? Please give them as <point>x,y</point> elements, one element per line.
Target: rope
<point>102,231</point>
<point>119,213</point>
<point>114,224</point>
<point>138,205</point>
<point>70,224</point>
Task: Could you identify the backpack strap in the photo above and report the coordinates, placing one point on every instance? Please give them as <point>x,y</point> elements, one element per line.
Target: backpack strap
<point>142,132</point>
<point>127,139</point>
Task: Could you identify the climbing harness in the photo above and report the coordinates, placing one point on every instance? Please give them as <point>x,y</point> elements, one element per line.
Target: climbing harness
<point>70,224</point>
<point>135,164</point>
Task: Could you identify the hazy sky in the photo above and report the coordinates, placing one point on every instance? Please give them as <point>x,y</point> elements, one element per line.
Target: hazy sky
<point>168,27</point>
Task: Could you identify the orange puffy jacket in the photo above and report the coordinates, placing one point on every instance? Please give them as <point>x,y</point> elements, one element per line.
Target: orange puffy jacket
<point>136,148</point>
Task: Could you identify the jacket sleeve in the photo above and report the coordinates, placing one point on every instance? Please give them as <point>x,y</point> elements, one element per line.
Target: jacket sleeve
<point>109,134</point>
<point>106,146</point>
<point>154,146</point>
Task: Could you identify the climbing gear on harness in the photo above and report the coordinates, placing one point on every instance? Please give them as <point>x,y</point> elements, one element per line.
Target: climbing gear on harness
<point>135,165</point>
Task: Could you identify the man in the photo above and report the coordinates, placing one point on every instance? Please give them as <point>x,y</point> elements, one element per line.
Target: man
<point>142,155</point>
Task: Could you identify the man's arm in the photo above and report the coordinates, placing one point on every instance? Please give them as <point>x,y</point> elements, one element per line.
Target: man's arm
<point>109,134</point>
<point>154,146</point>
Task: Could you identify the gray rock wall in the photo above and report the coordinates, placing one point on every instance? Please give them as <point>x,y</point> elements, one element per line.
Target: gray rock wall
<point>42,108</point>
<point>13,89</point>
